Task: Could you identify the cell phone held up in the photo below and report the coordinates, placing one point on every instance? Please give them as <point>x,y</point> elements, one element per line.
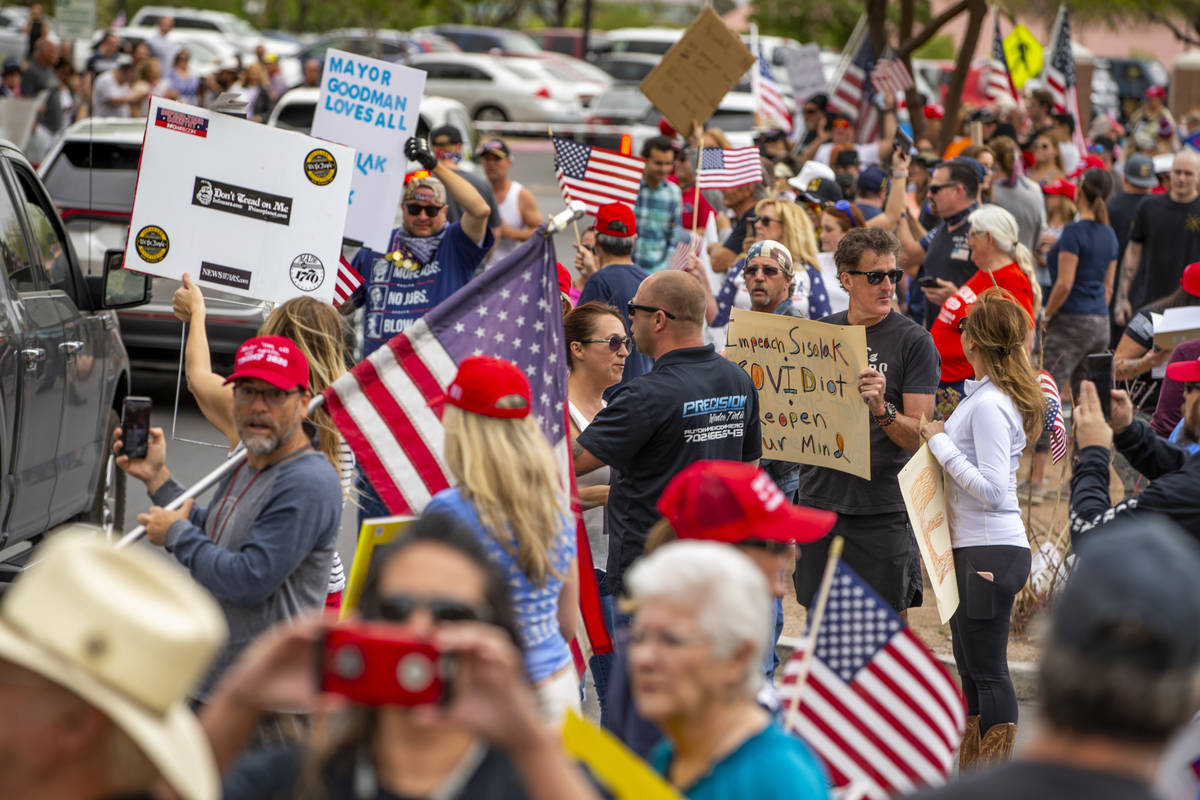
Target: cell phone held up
<point>929,282</point>
<point>903,143</point>
<point>135,426</point>
<point>382,664</point>
<point>1099,372</point>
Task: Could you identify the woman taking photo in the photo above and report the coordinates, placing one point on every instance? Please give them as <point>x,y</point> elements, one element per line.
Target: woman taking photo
<point>979,448</point>
<point>508,491</point>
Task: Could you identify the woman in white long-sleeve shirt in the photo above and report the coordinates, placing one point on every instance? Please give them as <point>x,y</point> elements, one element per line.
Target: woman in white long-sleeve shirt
<point>979,449</point>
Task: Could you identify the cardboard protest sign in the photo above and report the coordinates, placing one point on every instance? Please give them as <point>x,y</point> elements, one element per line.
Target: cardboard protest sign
<point>804,71</point>
<point>922,485</point>
<point>75,19</point>
<point>372,106</point>
<point>1175,326</point>
<point>244,208</point>
<point>697,71</point>
<point>806,374</point>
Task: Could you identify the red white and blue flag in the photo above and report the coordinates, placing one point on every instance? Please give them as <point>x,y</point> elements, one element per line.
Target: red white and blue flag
<point>854,96</point>
<point>890,77</point>
<point>769,102</point>
<point>596,176</point>
<point>1059,74</point>
<point>877,708</point>
<point>729,168</point>
<point>998,82</point>
<point>348,280</point>
<point>1053,420</point>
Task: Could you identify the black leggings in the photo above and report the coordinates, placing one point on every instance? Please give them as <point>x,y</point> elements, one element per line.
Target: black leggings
<point>979,628</point>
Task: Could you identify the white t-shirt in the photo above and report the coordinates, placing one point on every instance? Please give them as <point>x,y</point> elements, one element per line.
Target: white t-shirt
<point>104,90</point>
<point>867,153</point>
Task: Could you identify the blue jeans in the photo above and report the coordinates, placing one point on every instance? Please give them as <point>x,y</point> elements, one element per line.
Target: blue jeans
<point>771,658</point>
<point>601,663</point>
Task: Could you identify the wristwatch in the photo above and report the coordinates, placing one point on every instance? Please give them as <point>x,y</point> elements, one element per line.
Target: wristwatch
<point>887,417</point>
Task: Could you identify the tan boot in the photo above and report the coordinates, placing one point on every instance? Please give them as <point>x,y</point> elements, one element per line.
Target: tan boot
<point>996,746</point>
<point>968,753</point>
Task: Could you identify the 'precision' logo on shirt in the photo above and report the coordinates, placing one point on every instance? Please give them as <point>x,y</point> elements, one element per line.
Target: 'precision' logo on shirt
<point>708,405</point>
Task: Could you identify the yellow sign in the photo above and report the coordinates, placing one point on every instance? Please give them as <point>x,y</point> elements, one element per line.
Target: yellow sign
<point>374,533</point>
<point>625,775</point>
<point>1024,55</point>
<point>806,374</point>
<point>922,484</point>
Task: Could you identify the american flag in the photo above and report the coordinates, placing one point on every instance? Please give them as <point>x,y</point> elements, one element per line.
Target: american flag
<point>726,169</point>
<point>596,176</point>
<point>878,709</point>
<point>854,96</point>
<point>890,77</point>
<point>769,103</point>
<point>1053,421</point>
<point>348,280</point>
<point>683,249</point>
<point>998,82</point>
<point>1059,74</point>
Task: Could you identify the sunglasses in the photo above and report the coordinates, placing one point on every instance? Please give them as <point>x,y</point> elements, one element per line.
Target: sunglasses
<point>416,210</point>
<point>768,271</point>
<point>765,220</point>
<point>875,277</point>
<point>631,308</point>
<point>934,188</point>
<point>401,607</point>
<point>841,123</point>
<point>614,342</point>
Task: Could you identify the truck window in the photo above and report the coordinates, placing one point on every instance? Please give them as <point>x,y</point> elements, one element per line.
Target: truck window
<point>49,240</point>
<point>13,251</point>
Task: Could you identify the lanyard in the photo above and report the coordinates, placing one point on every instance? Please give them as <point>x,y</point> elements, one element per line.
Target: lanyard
<point>219,527</point>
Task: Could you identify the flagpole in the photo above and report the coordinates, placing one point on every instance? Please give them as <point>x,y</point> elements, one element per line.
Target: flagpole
<point>696,194</point>
<point>810,645</point>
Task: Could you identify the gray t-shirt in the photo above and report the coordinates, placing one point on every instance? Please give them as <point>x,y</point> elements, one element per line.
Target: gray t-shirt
<point>454,212</point>
<point>1025,202</point>
<point>35,79</point>
<point>904,352</point>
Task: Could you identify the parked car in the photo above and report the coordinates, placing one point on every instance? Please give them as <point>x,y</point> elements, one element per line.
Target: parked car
<point>13,42</point>
<point>90,173</point>
<point>64,372</point>
<point>626,67</point>
<point>627,107</point>
<point>387,45</point>
<point>569,41</point>
<point>240,33</point>
<point>479,39</point>
<point>499,89</point>
<point>582,78</point>
<point>655,41</point>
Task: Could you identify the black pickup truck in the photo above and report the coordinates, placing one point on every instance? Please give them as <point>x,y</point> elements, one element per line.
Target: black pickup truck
<point>63,369</point>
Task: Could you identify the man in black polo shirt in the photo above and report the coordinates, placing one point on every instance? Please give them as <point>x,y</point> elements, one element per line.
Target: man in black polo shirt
<point>692,405</point>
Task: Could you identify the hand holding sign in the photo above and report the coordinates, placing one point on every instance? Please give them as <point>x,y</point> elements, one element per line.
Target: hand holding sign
<point>871,386</point>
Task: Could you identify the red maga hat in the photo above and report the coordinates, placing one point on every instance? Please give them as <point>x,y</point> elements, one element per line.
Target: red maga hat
<point>615,219</point>
<point>491,387</point>
<point>1191,279</point>
<point>727,501</point>
<point>1061,187</point>
<point>1184,371</point>
<point>274,359</point>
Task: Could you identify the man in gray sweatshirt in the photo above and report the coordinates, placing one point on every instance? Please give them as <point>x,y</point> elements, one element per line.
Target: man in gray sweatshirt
<point>264,546</point>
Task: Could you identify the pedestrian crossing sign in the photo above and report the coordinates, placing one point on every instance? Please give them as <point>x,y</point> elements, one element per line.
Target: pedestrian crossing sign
<point>1024,55</point>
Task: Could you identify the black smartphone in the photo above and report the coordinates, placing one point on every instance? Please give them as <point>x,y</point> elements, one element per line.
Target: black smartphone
<point>930,282</point>
<point>1099,372</point>
<point>135,427</point>
<point>903,142</point>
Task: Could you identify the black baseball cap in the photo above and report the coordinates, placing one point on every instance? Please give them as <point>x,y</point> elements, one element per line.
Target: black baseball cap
<point>493,146</point>
<point>1139,170</point>
<point>445,132</point>
<point>821,191</point>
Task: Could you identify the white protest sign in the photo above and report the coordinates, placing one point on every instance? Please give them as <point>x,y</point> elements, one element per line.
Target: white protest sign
<point>923,487</point>
<point>804,71</point>
<point>372,106</point>
<point>75,19</point>
<point>242,207</point>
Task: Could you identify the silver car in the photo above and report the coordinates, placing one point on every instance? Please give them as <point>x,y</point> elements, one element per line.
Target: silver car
<point>499,89</point>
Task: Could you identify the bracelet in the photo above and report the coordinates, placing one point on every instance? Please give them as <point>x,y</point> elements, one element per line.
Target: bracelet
<point>903,174</point>
<point>887,417</point>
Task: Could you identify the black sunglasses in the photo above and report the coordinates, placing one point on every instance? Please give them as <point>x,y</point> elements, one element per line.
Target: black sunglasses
<point>416,210</point>
<point>632,307</point>
<point>401,607</point>
<point>765,220</point>
<point>875,277</point>
<point>934,188</point>
<point>769,271</point>
<point>614,342</point>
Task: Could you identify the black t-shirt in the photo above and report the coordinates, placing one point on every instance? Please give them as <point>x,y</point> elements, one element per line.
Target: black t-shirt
<point>1039,780</point>
<point>1169,234</point>
<point>947,256</point>
<point>1121,209</point>
<point>692,405</point>
<point>904,352</point>
<point>616,284</point>
<point>737,234</point>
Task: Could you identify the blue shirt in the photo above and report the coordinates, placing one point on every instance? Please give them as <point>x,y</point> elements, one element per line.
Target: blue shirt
<point>1095,244</point>
<point>536,606</point>
<point>658,212</point>
<point>771,764</point>
<point>616,285</point>
<point>396,297</point>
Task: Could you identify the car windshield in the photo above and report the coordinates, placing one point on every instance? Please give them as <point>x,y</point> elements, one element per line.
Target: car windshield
<point>518,43</point>
<point>241,27</point>
<point>529,73</point>
<point>296,117</point>
<point>91,236</point>
<point>657,47</point>
<point>626,103</point>
<point>92,175</point>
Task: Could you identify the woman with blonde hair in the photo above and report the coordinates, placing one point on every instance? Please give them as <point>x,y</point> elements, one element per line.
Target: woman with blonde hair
<point>507,489</point>
<point>979,449</point>
<point>1047,160</point>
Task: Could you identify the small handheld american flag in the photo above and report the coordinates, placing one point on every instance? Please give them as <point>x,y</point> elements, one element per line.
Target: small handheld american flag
<point>1053,422</point>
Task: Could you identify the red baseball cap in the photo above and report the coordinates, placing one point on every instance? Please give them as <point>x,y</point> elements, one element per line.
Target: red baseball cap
<point>564,278</point>
<point>1191,279</point>
<point>1184,371</point>
<point>615,219</point>
<point>275,359</point>
<point>1061,187</point>
<point>727,501</point>
<point>491,387</point>
<point>1087,162</point>
<point>1155,90</point>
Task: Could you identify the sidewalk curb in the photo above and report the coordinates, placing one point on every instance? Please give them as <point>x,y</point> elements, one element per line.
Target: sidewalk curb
<point>1024,673</point>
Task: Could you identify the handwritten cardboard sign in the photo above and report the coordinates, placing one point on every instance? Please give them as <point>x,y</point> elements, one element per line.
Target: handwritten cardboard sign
<point>372,106</point>
<point>806,374</point>
<point>244,208</point>
<point>697,71</point>
<point>922,484</point>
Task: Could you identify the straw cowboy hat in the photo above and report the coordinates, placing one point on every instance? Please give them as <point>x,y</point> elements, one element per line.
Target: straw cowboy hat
<point>130,633</point>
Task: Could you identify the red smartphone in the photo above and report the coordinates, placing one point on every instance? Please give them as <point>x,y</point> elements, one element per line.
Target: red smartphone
<point>382,664</point>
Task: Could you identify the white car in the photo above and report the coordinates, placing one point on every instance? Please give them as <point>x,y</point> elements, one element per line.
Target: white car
<point>499,89</point>
<point>240,33</point>
<point>655,41</point>
<point>585,80</point>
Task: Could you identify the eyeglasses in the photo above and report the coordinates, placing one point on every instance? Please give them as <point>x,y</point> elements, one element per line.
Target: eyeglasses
<point>633,307</point>
<point>767,271</point>
<point>875,277</point>
<point>614,342</point>
<point>934,188</point>
<point>245,395</point>
<point>401,607</point>
<point>765,220</point>
<point>416,210</point>
<point>962,324</point>
<point>444,143</point>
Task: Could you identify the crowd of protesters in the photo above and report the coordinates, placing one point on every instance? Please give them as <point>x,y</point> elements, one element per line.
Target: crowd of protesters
<point>970,270</point>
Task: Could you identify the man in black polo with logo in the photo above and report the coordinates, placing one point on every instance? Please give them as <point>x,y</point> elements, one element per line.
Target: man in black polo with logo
<point>692,405</point>
<point>943,252</point>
